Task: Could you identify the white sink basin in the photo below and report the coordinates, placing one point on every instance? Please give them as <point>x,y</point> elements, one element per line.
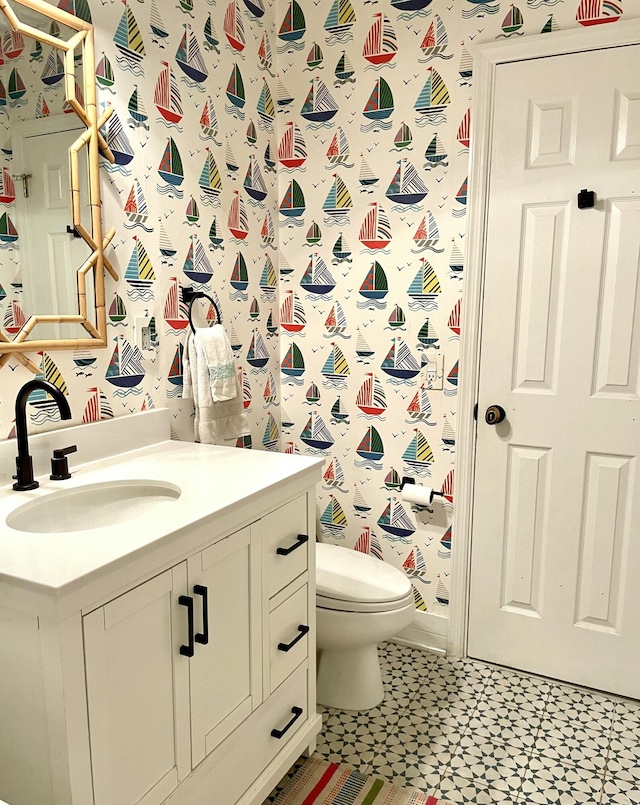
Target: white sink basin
<point>92,506</point>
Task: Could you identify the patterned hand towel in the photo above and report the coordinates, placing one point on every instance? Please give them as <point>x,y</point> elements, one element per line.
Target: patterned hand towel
<point>214,352</point>
<point>220,421</point>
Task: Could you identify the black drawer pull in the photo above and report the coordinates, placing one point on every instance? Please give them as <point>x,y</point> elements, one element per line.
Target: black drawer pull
<point>203,636</point>
<point>300,540</point>
<point>297,712</point>
<point>288,646</point>
<point>187,601</point>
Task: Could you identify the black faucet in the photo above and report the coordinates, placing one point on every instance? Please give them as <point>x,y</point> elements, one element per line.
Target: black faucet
<point>24,462</point>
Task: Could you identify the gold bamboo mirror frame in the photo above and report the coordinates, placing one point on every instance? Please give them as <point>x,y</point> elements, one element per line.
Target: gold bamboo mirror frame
<point>86,222</point>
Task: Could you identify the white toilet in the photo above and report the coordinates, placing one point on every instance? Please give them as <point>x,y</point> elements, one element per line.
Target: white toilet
<point>360,601</point>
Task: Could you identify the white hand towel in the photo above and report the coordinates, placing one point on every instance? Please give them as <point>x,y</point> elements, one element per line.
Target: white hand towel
<point>214,352</point>
<point>215,422</point>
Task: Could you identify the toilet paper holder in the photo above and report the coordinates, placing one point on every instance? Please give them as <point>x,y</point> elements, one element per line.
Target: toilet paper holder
<point>424,497</point>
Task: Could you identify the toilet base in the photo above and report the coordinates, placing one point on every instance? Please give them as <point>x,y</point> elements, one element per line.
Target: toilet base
<point>349,679</point>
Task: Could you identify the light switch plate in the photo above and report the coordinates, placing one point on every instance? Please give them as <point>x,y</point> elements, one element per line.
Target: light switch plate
<point>142,332</point>
<point>433,370</point>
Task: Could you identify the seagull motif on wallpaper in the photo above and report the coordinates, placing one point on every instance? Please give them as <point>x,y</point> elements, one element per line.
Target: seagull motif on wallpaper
<point>13,367</point>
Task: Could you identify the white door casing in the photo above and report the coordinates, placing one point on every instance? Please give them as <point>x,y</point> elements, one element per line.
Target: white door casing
<point>575,570</point>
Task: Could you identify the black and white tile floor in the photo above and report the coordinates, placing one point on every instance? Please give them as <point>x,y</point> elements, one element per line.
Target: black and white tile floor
<point>468,732</point>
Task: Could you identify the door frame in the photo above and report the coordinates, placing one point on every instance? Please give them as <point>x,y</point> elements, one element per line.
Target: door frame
<point>486,58</point>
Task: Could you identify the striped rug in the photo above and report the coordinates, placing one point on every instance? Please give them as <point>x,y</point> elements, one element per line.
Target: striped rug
<point>319,782</point>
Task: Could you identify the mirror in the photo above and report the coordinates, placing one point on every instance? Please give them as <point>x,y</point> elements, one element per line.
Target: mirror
<point>51,241</point>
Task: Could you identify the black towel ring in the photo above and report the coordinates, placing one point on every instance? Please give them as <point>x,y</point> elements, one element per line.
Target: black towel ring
<point>190,296</point>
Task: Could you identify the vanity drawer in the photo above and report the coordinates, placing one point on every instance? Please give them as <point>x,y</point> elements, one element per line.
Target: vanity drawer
<point>244,754</point>
<point>285,545</point>
<point>288,642</point>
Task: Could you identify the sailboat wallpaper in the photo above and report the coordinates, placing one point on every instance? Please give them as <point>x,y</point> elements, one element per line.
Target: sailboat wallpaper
<point>306,165</point>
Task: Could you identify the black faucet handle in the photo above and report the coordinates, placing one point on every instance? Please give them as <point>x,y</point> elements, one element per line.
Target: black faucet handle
<point>64,451</point>
<point>59,463</point>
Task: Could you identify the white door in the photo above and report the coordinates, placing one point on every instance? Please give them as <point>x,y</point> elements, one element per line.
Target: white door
<point>226,668</point>
<point>556,526</point>
<point>50,256</point>
<point>138,693</point>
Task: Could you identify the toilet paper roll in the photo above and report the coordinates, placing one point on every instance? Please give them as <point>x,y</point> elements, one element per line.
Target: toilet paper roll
<point>419,495</point>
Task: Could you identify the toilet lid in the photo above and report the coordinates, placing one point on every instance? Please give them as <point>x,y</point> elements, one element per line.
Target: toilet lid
<point>349,575</point>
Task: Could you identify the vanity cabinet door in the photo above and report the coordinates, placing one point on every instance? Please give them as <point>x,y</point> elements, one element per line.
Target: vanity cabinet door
<point>138,692</point>
<point>225,670</point>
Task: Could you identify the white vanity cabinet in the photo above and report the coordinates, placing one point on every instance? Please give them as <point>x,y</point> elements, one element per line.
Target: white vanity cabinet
<point>181,675</point>
<point>170,674</point>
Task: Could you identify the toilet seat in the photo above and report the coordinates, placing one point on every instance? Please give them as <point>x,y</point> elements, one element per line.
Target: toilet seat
<point>325,602</point>
<point>351,581</point>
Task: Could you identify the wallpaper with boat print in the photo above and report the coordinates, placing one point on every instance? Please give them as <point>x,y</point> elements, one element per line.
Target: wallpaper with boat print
<point>305,164</point>
<point>192,194</point>
<point>373,149</point>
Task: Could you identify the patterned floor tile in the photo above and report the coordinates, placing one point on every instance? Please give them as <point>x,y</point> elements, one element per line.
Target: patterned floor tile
<point>404,661</point>
<point>578,706</point>
<point>458,674</point>
<point>495,765</point>
<point>626,718</point>
<point>547,783</point>
<point>532,701</point>
<point>398,688</point>
<point>429,694</point>
<point>456,715</point>
<point>469,732</point>
<point>583,748</point>
<point>399,767</point>
<point>623,770</point>
<point>345,739</point>
<point>428,743</point>
<point>504,680</point>
<point>624,748</point>
<point>499,722</point>
<point>467,792</point>
<point>619,792</point>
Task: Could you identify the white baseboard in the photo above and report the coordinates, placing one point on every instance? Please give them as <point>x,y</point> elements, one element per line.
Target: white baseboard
<point>428,632</point>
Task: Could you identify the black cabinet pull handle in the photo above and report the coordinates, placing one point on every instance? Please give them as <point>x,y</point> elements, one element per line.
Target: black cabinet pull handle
<point>187,601</point>
<point>300,540</point>
<point>203,636</point>
<point>297,712</point>
<point>288,646</point>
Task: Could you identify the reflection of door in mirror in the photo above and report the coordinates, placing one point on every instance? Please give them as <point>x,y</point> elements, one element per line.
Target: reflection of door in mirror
<point>50,254</point>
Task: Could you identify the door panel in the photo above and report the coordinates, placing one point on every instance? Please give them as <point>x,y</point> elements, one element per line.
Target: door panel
<point>136,680</point>
<point>556,528</point>
<point>230,663</point>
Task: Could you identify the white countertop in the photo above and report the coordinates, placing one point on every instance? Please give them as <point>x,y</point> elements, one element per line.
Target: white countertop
<point>212,480</point>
